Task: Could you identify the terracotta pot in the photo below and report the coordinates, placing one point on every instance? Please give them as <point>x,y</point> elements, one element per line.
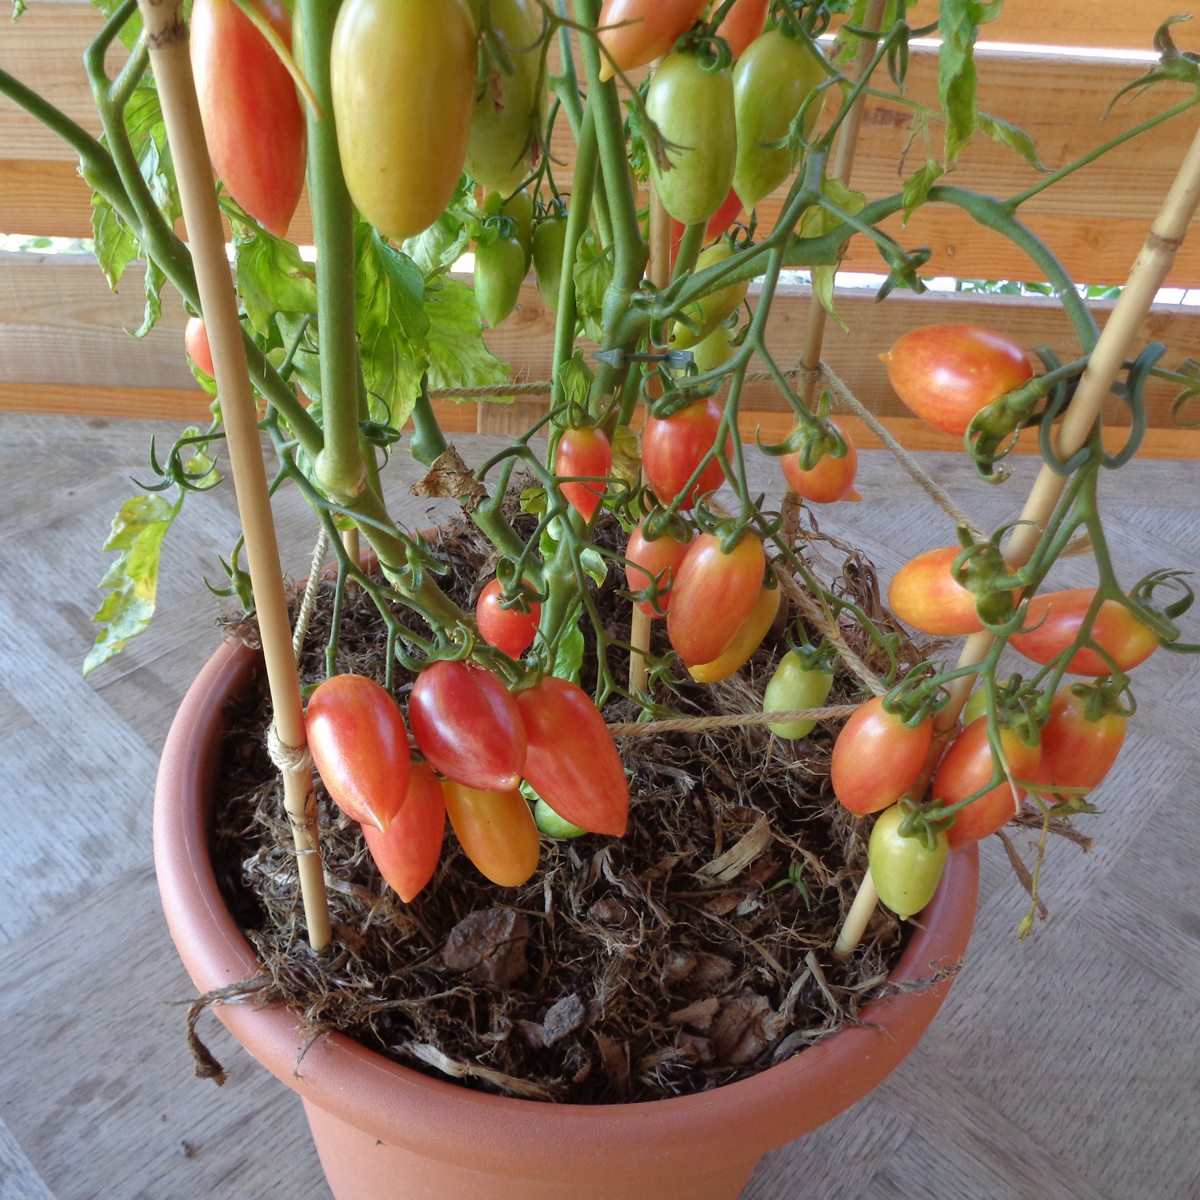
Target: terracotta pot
<point>385,1132</point>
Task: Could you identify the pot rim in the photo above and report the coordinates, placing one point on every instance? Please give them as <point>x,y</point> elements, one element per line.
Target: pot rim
<point>445,1121</point>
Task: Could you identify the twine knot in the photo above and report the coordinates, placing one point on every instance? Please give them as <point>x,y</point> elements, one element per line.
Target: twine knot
<point>287,758</point>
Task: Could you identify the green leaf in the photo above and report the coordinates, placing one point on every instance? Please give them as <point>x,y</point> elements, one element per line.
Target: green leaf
<point>132,581</point>
<point>1009,135</point>
<point>148,137</point>
<point>917,185</point>
<point>131,30</point>
<point>819,221</point>
<point>271,277</point>
<point>568,657</point>
<point>958,25</point>
<point>458,356</point>
<point>18,12</point>
<point>393,330</point>
<point>115,245</point>
<point>444,242</point>
<point>306,362</point>
<point>594,565</point>
<point>154,280</point>
<point>575,378</point>
<point>593,274</point>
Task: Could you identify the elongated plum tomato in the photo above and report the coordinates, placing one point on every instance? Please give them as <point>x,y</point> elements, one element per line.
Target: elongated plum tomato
<point>832,479</point>
<point>507,629</point>
<point>253,122</point>
<point>499,272</point>
<point>1076,752</point>
<point>358,742</point>
<point>967,766</point>
<point>745,641</point>
<point>496,831</point>
<point>711,311</point>
<point>653,26</point>
<point>1058,617</point>
<point>572,761</point>
<point>520,207</point>
<point>195,341</point>
<point>947,373</point>
<point>402,74</point>
<point>407,854</point>
<point>926,596</point>
<point>772,80</point>
<point>718,223</point>
<point>549,240</point>
<point>510,107</point>
<point>905,874</point>
<point>584,452</point>
<point>745,22</point>
<point>713,596</point>
<point>673,447</point>
<point>693,109</point>
<point>468,726</point>
<point>794,687</point>
<point>877,758</point>
<point>650,561</point>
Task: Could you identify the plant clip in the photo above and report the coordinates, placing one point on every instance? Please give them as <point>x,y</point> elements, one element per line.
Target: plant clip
<point>677,360</point>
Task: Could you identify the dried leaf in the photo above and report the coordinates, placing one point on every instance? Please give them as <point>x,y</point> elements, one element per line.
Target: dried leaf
<point>678,966</point>
<point>616,1060</point>
<point>710,970</point>
<point>699,1014</point>
<point>741,854</point>
<point>702,1046</point>
<point>610,911</point>
<point>488,946</point>
<point>450,476</point>
<point>431,1056</point>
<point>745,1027</point>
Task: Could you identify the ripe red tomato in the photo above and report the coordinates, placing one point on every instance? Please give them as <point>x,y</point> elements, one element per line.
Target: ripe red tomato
<point>967,766</point>
<point>583,452</point>
<point>745,641</point>
<point>572,761</point>
<point>195,341</point>
<point>253,122</point>
<point>877,758</point>
<point>673,447</point>
<point>648,561</point>
<point>496,831</point>
<point>1059,616</point>
<point>655,26</point>
<point>1077,752</point>
<point>713,596</point>
<point>745,22</point>
<point>505,628</point>
<point>831,479</point>
<point>947,373</point>
<point>717,224</point>
<point>407,855</point>
<point>468,726</point>
<point>926,596</point>
<point>360,747</point>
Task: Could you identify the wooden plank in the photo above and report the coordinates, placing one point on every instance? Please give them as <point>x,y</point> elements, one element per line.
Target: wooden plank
<point>59,325</point>
<point>1082,23</point>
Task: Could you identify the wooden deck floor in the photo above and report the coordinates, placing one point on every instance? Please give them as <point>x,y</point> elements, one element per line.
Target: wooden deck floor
<point>1064,1067</point>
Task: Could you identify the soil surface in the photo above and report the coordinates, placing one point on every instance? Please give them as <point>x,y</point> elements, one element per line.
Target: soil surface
<point>692,952</point>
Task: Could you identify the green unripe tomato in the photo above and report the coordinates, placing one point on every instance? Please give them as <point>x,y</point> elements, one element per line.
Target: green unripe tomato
<point>499,269</point>
<point>770,82</point>
<point>975,707</point>
<point>716,349</point>
<point>551,824</point>
<point>549,239</point>
<point>713,310</point>
<point>693,108</point>
<point>519,206</point>
<point>906,874</point>
<point>794,687</point>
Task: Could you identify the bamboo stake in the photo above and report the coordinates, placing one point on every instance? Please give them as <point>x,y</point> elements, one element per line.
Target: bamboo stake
<point>843,165</point>
<point>167,39</point>
<point>1146,276</point>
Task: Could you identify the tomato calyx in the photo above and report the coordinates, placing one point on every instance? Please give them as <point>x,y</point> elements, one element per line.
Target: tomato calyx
<point>981,569</point>
<point>1105,697</point>
<point>814,438</point>
<point>916,697</point>
<point>703,43</point>
<point>730,530</point>
<point>819,657</point>
<point>1161,619</point>
<point>517,593</point>
<point>925,821</point>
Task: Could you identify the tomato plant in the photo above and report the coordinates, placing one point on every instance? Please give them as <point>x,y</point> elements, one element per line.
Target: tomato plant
<point>467,725</point>
<point>195,340</point>
<point>793,687</point>
<point>587,453</point>
<point>830,479</point>
<point>967,766</point>
<point>253,122</point>
<point>947,373</point>
<point>714,596</point>
<point>359,744</point>
<point>572,760</point>
<point>496,831</point>
<point>653,561</point>
<point>1078,752</point>
<point>715,308</point>
<point>673,446</point>
<point>877,758</point>
<point>636,32</point>
<point>1053,621</point>
<point>507,629</point>
<point>747,639</point>
<point>773,78</point>
<point>693,108</point>
<point>403,79</point>
<point>407,853</point>
<point>905,871</point>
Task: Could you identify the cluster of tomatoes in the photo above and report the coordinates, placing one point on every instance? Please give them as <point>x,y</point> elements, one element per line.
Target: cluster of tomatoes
<point>477,741</point>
